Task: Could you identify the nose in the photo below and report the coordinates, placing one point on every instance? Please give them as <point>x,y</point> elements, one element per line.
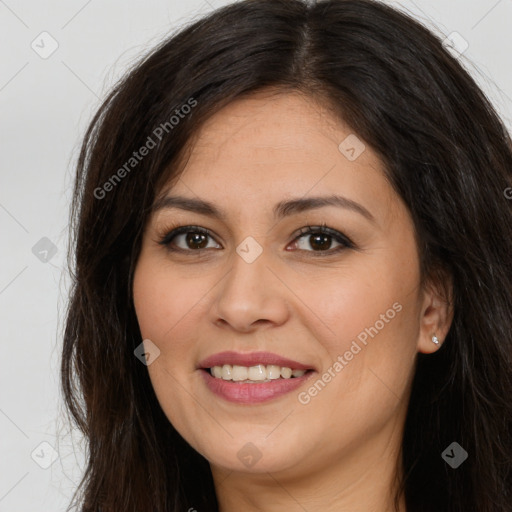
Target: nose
<point>250,295</point>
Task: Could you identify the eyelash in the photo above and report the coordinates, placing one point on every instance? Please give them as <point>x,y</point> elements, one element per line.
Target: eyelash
<point>345,242</point>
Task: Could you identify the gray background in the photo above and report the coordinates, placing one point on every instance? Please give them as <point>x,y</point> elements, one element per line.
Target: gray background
<point>45,105</point>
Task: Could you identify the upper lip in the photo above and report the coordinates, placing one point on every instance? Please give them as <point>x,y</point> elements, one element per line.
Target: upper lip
<point>251,359</point>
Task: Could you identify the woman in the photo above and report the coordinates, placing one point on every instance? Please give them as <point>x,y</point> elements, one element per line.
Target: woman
<point>292,277</point>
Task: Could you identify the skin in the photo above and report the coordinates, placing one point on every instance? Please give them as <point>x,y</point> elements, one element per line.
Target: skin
<point>340,451</point>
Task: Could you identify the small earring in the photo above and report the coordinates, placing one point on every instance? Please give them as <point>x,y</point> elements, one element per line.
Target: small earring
<point>435,339</point>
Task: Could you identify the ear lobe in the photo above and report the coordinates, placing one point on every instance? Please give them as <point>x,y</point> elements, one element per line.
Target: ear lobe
<point>436,314</point>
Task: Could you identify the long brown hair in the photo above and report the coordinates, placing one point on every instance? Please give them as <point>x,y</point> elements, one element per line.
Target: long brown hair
<point>448,156</point>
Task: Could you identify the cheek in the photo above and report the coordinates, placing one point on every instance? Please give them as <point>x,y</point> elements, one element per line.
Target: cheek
<point>162,300</point>
<point>369,360</point>
<point>368,316</point>
<point>167,307</point>
<point>378,294</point>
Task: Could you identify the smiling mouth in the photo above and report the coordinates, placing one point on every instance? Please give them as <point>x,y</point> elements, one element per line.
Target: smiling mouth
<point>256,374</point>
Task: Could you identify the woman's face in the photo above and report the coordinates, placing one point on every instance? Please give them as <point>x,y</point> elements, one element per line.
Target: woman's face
<point>344,304</point>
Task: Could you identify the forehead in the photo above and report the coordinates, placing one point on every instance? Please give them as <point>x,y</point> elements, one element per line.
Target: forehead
<point>271,127</point>
<point>268,146</point>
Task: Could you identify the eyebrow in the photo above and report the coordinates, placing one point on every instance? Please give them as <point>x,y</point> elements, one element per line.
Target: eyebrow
<point>281,209</point>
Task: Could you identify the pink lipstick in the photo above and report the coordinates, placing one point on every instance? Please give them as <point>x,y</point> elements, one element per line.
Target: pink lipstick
<point>269,368</point>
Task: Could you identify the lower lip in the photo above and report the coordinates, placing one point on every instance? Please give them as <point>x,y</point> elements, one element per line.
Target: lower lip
<point>253,393</point>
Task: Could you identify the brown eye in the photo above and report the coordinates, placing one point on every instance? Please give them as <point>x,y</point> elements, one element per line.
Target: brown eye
<point>196,240</point>
<point>187,238</point>
<point>320,239</point>
<point>320,242</point>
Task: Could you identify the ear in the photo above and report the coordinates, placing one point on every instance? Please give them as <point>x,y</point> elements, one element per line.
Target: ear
<point>436,313</point>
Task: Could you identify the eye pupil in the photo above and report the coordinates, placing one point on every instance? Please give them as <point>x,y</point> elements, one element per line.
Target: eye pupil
<point>316,241</point>
<point>196,240</point>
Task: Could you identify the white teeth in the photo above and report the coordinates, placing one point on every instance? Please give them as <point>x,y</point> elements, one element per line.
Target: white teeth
<point>226,371</point>
<point>239,372</point>
<point>286,373</point>
<point>273,371</point>
<point>257,373</point>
